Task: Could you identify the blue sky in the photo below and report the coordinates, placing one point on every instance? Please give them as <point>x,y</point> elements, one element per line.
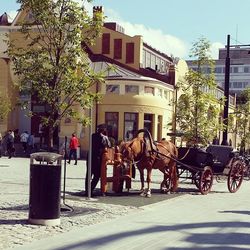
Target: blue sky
<point>171,26</point>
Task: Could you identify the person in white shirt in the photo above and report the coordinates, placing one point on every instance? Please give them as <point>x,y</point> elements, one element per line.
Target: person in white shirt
<point>24,140</point>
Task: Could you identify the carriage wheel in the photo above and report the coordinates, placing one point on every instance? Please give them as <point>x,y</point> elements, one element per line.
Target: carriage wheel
<point>206,180</point>
<point>235,176</point>
<point>196,179</point>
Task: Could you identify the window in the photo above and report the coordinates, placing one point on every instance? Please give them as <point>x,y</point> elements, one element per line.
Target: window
<point>246,69</point>
<point>130,47</point>
<point>117,48</point>
<point>144,58</point>
<point>167,94</point>
<point>235,69</point>
<point>245,85</point>
<point>38,108</point>
<point>163,66</point>
<point>218,70</point>
<point>105,43</point>
<point>149,90</point>
<point>158,63</point>
<point>130,125</point>
<point>159,92</point>
<point>153,62</point>
<point>148,122</point>
<point>237,85</point>
<point>111,88</point>
<point>147,59</point>
<point>131,89</point>
<point>67,120</point>
<point>111,120</point>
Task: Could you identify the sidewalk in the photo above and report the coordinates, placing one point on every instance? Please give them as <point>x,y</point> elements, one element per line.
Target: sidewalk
<point>219,220</point>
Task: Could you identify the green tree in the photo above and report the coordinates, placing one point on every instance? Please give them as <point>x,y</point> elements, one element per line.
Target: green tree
<point>53,66</point>
<point>242,118</point>
<point>5,106</point>
<point>198,109</point>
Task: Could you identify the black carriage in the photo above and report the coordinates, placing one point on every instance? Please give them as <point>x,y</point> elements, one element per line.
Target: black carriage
<point>201,165</point>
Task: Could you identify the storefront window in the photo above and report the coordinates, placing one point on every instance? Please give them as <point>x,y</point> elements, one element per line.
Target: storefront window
<point>111,120</point>
<point>111,88</point>
<point>131,89</point>
<point>148,122</point>
<point>149,90</point>
<point>130,125</point>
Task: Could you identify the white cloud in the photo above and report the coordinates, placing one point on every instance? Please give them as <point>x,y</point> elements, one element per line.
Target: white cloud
<point>11,15</point>
<point>215,49</point>
<point>165,43</point>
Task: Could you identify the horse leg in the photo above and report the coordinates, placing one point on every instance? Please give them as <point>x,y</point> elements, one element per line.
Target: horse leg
<point>166,183</point>
<point>174,178</point>
<point>141,171</point>
<point>149,172</point>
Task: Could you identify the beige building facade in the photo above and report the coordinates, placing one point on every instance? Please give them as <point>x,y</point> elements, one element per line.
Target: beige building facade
<point>139,91</point>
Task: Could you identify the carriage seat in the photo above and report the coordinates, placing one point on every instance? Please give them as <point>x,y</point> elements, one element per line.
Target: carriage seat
<point>194,156</point>
<point>221,156</point>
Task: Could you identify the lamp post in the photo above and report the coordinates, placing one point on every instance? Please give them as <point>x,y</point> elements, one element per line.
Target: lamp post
<point>226,93</point>
<point>226,88</point>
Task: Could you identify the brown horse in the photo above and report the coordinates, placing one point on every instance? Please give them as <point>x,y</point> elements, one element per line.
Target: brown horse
<point>149,155</point>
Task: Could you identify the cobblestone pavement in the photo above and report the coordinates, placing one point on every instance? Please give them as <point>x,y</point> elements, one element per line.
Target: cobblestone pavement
<point>14,227</point>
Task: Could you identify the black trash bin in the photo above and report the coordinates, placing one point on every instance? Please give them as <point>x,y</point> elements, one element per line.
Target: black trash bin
<point>45,188</point>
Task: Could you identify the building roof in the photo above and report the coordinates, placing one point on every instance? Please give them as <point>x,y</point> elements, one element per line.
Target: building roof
<point>4,20</point>
<point>113,71</point>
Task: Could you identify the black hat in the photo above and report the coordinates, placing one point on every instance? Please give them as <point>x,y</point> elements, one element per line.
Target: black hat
<point>101,127</point>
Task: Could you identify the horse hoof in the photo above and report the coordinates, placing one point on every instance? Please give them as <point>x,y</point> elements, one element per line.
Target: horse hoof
<point>148,195</point>
<point>143,194</point>
<point>164,191</point>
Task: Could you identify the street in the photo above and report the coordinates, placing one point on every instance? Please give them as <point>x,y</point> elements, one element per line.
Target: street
<point>219,220</point>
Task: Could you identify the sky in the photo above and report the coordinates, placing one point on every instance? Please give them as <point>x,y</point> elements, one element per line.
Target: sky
<point>172,26</point>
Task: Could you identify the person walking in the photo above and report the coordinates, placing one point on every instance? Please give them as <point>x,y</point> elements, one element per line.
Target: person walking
<point>10,143</point>
<point>30,143</point>
<point>100,141</point>
<point>24,140</point>
<point>73,145</point>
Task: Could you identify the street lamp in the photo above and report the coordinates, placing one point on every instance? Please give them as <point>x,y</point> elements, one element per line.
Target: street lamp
<point>226,93</point>
<point>226,88</point>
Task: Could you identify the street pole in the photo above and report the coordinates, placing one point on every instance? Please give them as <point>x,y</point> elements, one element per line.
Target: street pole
<point>90,154</point>
<point>226,93</point>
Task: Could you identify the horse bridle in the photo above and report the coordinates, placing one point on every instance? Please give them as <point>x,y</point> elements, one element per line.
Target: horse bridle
<point>132,159</point>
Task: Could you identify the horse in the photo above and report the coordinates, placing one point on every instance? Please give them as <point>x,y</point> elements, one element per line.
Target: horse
<point>149,155</point>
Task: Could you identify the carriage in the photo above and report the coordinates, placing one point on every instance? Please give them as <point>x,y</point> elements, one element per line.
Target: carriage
<point>202,166</point>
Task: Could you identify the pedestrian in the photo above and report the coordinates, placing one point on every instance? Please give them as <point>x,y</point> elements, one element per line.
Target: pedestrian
<point>30,142</point>
<point>100,141</point>
<point>24,140</point>
<point>10,143</point>
<point>41,133</point>
<point>73,145</point>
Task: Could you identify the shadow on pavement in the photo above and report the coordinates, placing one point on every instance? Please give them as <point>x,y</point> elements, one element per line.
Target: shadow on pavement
<point>197,240</point>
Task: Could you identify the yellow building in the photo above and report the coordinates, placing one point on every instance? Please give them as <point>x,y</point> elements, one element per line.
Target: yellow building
<point>138,92</point>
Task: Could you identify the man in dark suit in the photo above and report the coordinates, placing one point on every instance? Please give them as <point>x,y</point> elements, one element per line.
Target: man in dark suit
<point>100,141</point>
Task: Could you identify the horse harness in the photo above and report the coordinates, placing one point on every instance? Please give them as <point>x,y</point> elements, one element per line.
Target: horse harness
<point>149,152</point>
